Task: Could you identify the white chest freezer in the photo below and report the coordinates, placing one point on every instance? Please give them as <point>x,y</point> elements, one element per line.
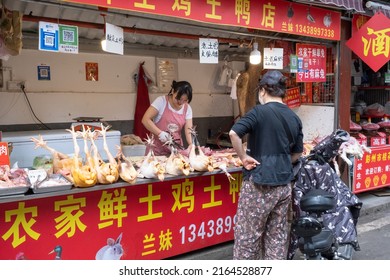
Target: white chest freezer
<point>24,151</point>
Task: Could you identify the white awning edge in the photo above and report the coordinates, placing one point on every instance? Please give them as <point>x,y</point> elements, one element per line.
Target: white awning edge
<point>377,7</point>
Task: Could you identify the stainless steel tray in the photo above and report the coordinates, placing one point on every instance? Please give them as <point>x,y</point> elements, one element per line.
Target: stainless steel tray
<point>53,183</point>
<point>16,190</point>
<point>5,191</point>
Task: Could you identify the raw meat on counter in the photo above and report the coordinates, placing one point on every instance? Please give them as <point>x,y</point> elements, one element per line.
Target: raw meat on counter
<point>13,177</point>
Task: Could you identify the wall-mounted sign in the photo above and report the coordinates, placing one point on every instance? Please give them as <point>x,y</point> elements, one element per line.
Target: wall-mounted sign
<point>275,16</point>
<point>273,58</point>
<point>208,50</point>
<point>48,36</point>
<point>43,72</point>
<point>91,71</point>
<point>293,63</point>
<point>58,38</point>
<point>372,42</point>
<point>311,63</point>
<point>166,73</point>
<point>293,97</point>
<point>114,39</point>
<point>387,78</point>
<point>69,39</point>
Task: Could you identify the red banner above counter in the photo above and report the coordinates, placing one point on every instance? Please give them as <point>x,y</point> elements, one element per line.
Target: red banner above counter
<point>153,220</point>
<point>276,16</point>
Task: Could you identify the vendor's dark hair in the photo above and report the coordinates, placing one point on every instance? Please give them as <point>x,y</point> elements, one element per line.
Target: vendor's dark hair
<point>181,87</point>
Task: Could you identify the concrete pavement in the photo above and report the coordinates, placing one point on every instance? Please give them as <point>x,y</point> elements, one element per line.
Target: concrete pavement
<point>373,201</point>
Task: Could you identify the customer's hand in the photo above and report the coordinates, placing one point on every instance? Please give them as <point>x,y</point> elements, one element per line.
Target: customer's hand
<point>249,162</point>
<point>163,136</point>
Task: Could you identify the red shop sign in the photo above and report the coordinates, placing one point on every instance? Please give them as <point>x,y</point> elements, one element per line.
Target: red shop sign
<point>311,63</point>
<point>372,41</point>
<point>276,15</point>
<point>146,221</point>
<point>372,171</point>
<point>293,97</point>
<point>4,153</point>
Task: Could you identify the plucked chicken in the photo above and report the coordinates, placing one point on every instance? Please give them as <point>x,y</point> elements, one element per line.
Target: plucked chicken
<point>198,160</point>
<point>127,171</point>
<point>176,164</point>
<point>151,167</point>
<point>223,166</point>
<point>62,163</point>
<point>84,175</point>
<point>107,172</point>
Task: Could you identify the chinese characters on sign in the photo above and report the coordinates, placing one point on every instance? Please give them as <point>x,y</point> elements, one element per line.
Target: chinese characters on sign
<point>208,50</point>
<point>293,97</point>
<point>69,39</point>
<point>273,58</point>
<point>148,221</point>
<point>114,39</point>
<point>58,38</point>
<point>372,171</point>
<point>4,155</point>
<point>276,15</point>
<point>311,63</point>
<point>372,42</point>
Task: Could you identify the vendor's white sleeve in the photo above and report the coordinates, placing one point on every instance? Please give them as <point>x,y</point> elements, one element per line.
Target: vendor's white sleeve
<point>189,113</point>
<point>159,103</point>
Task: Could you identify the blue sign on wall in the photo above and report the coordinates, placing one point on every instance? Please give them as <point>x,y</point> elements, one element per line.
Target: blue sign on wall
<point>48,36</point>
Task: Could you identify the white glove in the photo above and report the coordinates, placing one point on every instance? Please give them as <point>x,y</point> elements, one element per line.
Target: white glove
<point>163,136</point>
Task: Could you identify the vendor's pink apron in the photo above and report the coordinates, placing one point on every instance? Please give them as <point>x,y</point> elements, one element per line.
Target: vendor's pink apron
<point>170,122</point>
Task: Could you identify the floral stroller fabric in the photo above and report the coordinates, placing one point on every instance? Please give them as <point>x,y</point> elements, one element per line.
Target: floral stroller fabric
<point>315,172</point>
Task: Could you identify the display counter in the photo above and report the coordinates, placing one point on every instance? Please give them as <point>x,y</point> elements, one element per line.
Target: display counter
<point>148,220</point>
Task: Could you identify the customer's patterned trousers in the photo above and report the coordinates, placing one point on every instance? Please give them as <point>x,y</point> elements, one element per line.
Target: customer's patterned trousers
<point>262,230</point>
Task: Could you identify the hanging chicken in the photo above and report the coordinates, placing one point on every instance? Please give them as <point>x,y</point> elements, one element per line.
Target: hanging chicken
<point>62,163</point>
<point>127,171</point>
<point>198,160</point>
<point>151,167</point>
<point>107,172</point>
<point>176,164</point>
<point>83,175</point>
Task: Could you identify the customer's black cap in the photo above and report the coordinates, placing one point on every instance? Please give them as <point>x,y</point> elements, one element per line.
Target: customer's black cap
<point>271,78</point>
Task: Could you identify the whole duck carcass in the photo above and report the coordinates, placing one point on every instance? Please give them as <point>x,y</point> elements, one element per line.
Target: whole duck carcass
<point>62,163</point>
<point>151,167</point>
<point>84,175</point>
<point>198,160</point>
<point>127,171</point>
<point>107,172</point>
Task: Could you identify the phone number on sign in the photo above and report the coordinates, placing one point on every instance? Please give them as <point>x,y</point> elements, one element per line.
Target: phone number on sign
<point>207,229</point>
<point>313,30</point>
